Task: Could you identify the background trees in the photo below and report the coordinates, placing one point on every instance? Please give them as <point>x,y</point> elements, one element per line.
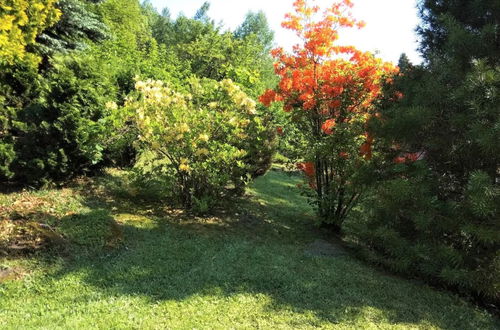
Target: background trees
<point>91,57</point>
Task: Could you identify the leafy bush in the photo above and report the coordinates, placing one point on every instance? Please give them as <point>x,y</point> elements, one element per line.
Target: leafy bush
<point>199,143</point>
<point>60,132</point>
<point>330,91</point>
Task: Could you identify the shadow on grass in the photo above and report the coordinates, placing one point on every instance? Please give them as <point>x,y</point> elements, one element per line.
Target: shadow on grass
<point>256,248</point>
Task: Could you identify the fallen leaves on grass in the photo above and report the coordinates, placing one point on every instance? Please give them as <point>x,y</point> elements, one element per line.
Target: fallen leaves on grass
<point>20,236</point>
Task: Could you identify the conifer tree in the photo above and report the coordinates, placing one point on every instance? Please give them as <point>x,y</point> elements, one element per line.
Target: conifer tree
<point>437,212</point>
<point>77,24</point>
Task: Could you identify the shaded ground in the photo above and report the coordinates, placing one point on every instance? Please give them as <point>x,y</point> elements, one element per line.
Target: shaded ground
<point>259,264</point>
<point>322,248</point>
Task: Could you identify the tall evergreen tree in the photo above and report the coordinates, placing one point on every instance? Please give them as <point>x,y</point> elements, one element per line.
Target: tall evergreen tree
<point>460,30</point>
<point>455,36</point>
<point>436,213</point>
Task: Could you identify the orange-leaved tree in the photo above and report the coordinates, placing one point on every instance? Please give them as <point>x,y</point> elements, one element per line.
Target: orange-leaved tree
<point>331,91</point>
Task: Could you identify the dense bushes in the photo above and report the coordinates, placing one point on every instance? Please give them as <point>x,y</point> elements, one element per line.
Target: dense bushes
<point>409,229</point>
<point>53,120</point>
<point>52,108</point>
<point>62,130</point>
<point>196,143</point>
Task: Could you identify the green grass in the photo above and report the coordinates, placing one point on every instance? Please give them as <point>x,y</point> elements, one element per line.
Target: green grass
<point>245,268</point>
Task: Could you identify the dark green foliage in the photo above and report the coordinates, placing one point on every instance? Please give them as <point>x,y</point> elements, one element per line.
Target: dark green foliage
<point>49,117</point>
<point>62,130</point>
<point>410,230</point>
<point>19,85</point>
<point>7,120</point>
<point>438,217</point>
<point>7,153</point>
<point>459,30</point>
<point>461,45</point>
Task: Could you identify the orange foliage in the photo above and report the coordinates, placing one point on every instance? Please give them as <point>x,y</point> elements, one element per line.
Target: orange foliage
<point>332,88</point>
<point>310,172</point>
<point>328,126</point>
<point>333,83</point>
<point>343,155</point>
<point>307,168</point>
<point>409,157</point>
<point>366,150</point>
<point>400,160</point>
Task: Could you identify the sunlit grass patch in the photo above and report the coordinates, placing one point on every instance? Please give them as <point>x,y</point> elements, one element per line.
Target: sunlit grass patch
<point>244,267</point>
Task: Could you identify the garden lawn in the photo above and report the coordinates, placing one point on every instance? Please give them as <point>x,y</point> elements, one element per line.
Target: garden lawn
<point>244,268</point>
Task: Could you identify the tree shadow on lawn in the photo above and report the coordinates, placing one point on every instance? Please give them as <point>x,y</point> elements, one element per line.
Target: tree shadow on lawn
<point>249,250</point>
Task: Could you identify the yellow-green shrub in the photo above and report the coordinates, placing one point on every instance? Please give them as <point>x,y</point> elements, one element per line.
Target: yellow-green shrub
<point>197,142</point>
<point>20,22</point>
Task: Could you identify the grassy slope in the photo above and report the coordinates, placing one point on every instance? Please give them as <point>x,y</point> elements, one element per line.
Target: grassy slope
<point>246,269</point>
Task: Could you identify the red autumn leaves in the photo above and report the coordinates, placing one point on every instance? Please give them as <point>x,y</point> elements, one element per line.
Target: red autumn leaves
<point>409,157</point>
<point>319,73</point>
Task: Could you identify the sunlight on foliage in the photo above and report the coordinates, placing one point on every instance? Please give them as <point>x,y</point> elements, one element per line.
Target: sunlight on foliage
<point>201,138</point>
<point>330,89</point>
<point>20,22</point>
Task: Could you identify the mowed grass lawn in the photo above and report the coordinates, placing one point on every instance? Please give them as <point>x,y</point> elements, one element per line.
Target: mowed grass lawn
<point>244,268</point>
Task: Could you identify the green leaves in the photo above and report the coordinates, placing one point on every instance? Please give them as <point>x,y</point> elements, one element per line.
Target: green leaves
<point>202,138</point>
